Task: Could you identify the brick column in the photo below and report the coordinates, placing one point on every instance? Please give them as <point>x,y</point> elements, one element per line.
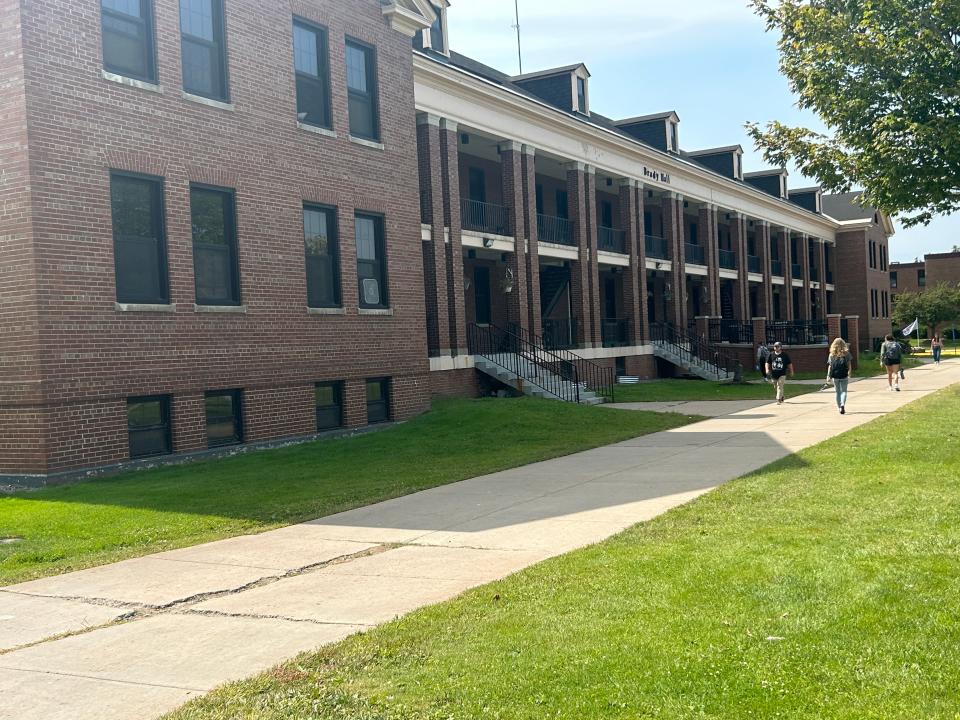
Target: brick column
<point>641,249</point>
<point>853,330</point>
<point>532,260</point>
<point>673,231</point>
<point>738,238</point>
<point>766,287</point>
<point>709,226</point>
<point>580,268</point>
<point>833,327</point>
<point>759,333</point>
<point>630,221</point>
<point>822,261</point>
<point>434,250</point>
<point>788,311</point>
<point>702,329</point>
<point>804,253</point>
<point>593,221</point>
<point>511,167</point>
<point>450,172</point>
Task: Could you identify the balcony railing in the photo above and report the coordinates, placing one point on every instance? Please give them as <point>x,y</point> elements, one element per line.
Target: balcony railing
<point>798,332</point>
<point>612,240</point>
<point>728,259</point>
<point>484,217</point>
<point>656,247</point>
<point>555,230</point>
<point>694,254</point>
<point>753,264</point>
<point>731,331</point>
<point>776,268</point>
<point>615,332</point>
<point>560,334</point>
<point>814,274</point>
<point>796,271</point>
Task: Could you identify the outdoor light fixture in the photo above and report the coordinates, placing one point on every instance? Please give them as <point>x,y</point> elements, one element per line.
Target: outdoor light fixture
<point>466,282</point>
<point>464,139</point>
<point>488,242</point>
<point>507,282</point>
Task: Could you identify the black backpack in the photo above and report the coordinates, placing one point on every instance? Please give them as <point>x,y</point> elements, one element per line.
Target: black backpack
<point>839,367</point>
<point>891,352</point>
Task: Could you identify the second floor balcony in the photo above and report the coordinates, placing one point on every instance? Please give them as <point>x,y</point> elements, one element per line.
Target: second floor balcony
<point>776,268</point>
<point>694,254</point>
<point>656,247</point>
<point>728,260</point>
<point>753,264</point>
<point>612,240</point>
<point>484,217</point>
<point>796,271</point>
<point>557,230</point>
<point>814,273</point>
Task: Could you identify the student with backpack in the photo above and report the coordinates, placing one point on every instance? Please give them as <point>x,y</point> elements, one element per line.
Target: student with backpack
<point>763,352</point>
<point>890,357</point>
<point>778,365</point>
<point>838,370</point>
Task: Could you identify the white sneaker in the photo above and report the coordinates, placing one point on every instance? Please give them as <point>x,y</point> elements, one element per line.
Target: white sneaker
<point>897,387</point>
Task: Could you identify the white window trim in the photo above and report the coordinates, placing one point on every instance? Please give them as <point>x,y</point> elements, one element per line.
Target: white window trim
<point>578,73</point>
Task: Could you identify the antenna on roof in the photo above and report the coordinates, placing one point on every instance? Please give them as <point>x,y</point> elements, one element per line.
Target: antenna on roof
<point>516,26</point>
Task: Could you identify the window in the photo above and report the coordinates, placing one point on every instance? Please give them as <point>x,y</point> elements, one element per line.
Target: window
<point>674,139</point>
<point>323,256</point>
<point>563,205</point>
<point>148,426</point>
<point>893,279</point>
<point>216,274</point>
<point>328,400</point>
<point>606,214</point>
<point>362,91</point>
<point>436,32</point>
<point>128,39</point>
<point>647,222</point>
<point>371,261</point>
<point>203,49</point>
<point>139,239</point>
<point>922,278</point>
<point>224,417</point>
<point>692,233</point>
<point>378,400</point>
<point>312,65</point>
<point>581,95</point>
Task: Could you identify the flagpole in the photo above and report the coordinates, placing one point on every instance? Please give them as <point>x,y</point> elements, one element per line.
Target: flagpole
<point>917,321</point>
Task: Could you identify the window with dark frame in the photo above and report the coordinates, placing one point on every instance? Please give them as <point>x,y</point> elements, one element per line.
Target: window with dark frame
<point>215,265</point>
<point>362,91</point>
<point>139,239</point>
<point>378,400</point>
<point>129,44</point>
<point>203,49</point>
<point>224,413</point>
<point>148,426</point>
<point>371,261</point>
<point>581,95</point>
<point>436,32</point>
<point>922,278</point>
<point>322,256</point>
<point>893,279</point>
<point>328,401</point>
<point>312,67</point>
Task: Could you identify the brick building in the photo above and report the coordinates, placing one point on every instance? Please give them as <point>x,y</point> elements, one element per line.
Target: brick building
<point>228,221</point>
<point>936,269</point>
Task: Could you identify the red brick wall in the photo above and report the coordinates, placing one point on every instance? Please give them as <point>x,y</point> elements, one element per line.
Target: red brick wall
<point>83,125</point>
<point>855,279</point>
<point>943,268</point>
<point>455,383</point>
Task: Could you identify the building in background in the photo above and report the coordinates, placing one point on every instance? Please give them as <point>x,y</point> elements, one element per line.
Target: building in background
<point>236,222</point>
<point>936,269</point>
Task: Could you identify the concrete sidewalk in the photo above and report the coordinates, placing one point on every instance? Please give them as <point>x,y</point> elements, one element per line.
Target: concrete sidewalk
<point>137,638</point>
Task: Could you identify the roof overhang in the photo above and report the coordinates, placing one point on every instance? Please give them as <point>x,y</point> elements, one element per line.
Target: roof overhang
<point>410,17</point>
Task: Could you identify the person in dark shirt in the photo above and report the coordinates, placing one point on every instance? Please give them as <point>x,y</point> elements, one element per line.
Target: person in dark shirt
<point>778,365</point>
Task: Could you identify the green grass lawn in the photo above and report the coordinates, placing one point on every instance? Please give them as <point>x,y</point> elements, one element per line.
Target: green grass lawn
<point>67,528</point>
<point>825,586</point>
<point>679,390</point>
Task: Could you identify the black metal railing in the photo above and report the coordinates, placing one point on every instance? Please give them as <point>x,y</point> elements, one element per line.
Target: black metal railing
<point>776,268</point>
<point>736,332</point>
<point>753,264</point>
<point>656,247</point>
<point>692,350</point>
<point>555,230</point>
<point>612,240</point>
<point>694,254</point>
<point>728,259</point>
<point>560,334</point>
<point>796,271</point>
<point>484,217</point>
<point>798,332</point>
<point>598,379</point>
<point>615,332</point>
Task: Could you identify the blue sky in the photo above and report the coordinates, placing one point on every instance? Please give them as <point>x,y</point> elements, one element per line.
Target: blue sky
<point>709,60</point>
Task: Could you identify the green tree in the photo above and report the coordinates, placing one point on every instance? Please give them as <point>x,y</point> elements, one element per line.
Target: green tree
<point>934,307</point>
<point>884,77</point>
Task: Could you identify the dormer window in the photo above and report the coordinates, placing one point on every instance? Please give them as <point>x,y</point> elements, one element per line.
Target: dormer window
<point>738,166</point>
<point>783,186</point>
<point>674,138</point>
<point>435,37</point>
<point>581,95</point>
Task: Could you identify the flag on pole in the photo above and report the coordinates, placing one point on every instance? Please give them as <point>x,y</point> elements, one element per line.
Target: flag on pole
<point>911,328</point>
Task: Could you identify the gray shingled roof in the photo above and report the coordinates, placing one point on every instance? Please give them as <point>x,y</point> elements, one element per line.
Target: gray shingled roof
<point>845,206</point>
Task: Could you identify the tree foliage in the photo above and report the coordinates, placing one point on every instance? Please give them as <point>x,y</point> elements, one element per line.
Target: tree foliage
<point>934,307</point>
<point>884,77</point>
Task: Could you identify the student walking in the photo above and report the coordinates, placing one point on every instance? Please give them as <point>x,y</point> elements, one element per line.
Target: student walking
<point>778,365</point>
<point>838,370</point>
<point>890,357</point>
<point>763,352</point>
<point>936,346</point>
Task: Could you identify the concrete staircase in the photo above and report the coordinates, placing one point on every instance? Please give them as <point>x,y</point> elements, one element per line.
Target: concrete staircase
<point>694,356</point>
<point>527,377</point>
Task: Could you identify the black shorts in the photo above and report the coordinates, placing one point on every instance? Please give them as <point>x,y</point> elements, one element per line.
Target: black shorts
<point>891,363</point>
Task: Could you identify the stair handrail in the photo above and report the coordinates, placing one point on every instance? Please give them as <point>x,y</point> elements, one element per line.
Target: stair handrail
<point>510,351</point>
<point>597,378</point>
<point>689,348</point>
